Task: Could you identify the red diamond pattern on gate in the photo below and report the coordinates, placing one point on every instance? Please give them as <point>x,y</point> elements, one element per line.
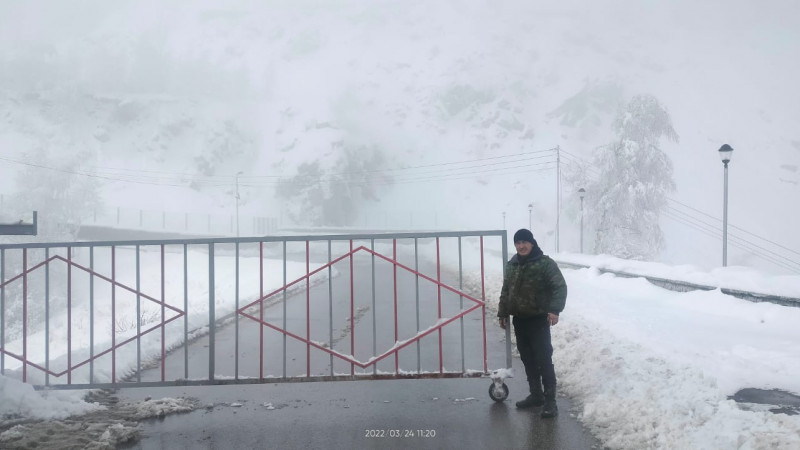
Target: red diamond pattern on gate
<point>398,345</point>
<point>71,367</point>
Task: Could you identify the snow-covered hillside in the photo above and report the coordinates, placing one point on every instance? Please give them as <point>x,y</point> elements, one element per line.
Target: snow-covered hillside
<point>169,100</point>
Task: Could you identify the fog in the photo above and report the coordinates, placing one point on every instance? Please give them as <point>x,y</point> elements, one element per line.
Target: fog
<point>426,100</point>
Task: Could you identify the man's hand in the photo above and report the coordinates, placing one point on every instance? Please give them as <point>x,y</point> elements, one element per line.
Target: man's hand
<point>503,321</point>
<point>552,319</point>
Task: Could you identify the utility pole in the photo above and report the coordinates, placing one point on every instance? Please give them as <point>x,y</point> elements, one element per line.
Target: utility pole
<point>530,216</point>
<point>237,203</point>
<point>582,193</point>
<point>558,194</point>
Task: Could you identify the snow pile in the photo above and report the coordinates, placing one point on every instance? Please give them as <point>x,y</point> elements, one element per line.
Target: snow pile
<point>654,368</point>
<point>21,400</point>
<point>631,399</point>
<point>161,407</point>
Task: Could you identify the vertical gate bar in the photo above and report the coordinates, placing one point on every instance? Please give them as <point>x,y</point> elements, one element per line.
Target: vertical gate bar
<point>261,310</point>
<point>113,314</point>
<point>284,309</point>
<point>439,300</point>
<point>47,319</point>
<point>374,319</point>
<point>186,311</point>
<point>394,258</point>
<point>416,272</point>
<point>236,320</point>
<point>461,304</point>
<point>308,309</point>
<point>91,309</point>
<point>508,329</point>
<point>483,312</point>
<point>163,313</point>
<point>69,315</point>
<point>24,315</point>
<point>138,317</point>
<point>211,318</point>
<point>352,313</point>
<point>2,310</point>
<point>330,304</point>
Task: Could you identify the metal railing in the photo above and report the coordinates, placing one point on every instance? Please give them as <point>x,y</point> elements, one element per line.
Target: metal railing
<point>77,315</point>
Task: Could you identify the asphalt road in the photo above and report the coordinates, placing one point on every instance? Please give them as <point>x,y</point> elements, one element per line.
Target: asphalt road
<point>385,414</point>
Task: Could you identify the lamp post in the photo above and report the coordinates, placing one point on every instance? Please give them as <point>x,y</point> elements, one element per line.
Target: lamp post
<point>530,211</point>
<point>582,193</point>
<point>504,220</point>
<point>725,153</point>
<point>237,202</point>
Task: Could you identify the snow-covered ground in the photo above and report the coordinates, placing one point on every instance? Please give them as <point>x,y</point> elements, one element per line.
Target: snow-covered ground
<point>646,367</point>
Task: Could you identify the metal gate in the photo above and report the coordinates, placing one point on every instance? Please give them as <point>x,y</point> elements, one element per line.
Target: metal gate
<point>84,315</point>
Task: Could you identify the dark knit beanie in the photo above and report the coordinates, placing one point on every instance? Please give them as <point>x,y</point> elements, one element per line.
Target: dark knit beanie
<point>524,235</point>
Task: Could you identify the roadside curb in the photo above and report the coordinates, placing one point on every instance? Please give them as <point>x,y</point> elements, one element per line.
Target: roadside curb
<point>686,286</point>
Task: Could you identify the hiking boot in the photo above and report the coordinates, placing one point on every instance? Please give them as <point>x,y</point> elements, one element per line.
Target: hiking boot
<point>550,409</point>
<point>530,401</point>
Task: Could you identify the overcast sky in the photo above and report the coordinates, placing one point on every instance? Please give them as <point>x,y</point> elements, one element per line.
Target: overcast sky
<point>148,87</point>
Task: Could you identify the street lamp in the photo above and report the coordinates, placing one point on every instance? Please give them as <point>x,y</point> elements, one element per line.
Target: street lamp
<point>582,193</point>
<point>530,211</point>
<point>237,202</point>
<point>504,220</point>
<point>725,153</point>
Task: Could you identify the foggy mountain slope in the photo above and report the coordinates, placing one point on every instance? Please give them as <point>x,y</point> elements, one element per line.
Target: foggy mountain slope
<point>200,90</point>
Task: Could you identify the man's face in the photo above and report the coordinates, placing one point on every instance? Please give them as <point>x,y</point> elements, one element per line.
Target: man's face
<point>523,247</point>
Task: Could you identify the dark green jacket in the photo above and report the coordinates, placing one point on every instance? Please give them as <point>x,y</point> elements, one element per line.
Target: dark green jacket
<point>533,288</point>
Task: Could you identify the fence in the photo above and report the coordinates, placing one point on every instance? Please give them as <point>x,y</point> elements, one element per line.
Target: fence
<point>187,222</point>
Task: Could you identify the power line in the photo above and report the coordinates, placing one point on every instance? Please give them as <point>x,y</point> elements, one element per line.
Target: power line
<point>738,228</point>
<point>738,242</point>
<point>91,175</point>
<point>143,176</point>
<point>412,178</point>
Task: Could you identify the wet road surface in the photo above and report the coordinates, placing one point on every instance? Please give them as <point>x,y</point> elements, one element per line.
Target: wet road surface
<point>380,414</point>
<point>383,414</point>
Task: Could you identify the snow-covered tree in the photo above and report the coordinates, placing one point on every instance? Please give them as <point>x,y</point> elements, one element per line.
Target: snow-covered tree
<point>315,196</point>
<point>635,177</point>
<point>61,194</point>
<point>55,187</point>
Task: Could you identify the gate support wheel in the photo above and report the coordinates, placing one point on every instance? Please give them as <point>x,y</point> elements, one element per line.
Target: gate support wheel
<point>498,391</point>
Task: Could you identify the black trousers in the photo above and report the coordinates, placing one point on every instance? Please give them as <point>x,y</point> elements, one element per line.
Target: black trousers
<point>536,350</point>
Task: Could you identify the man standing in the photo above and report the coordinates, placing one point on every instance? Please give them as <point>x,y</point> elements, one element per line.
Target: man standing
<point>534,292</point>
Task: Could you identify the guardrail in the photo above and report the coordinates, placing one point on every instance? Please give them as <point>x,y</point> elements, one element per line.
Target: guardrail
<point>686,286</point>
